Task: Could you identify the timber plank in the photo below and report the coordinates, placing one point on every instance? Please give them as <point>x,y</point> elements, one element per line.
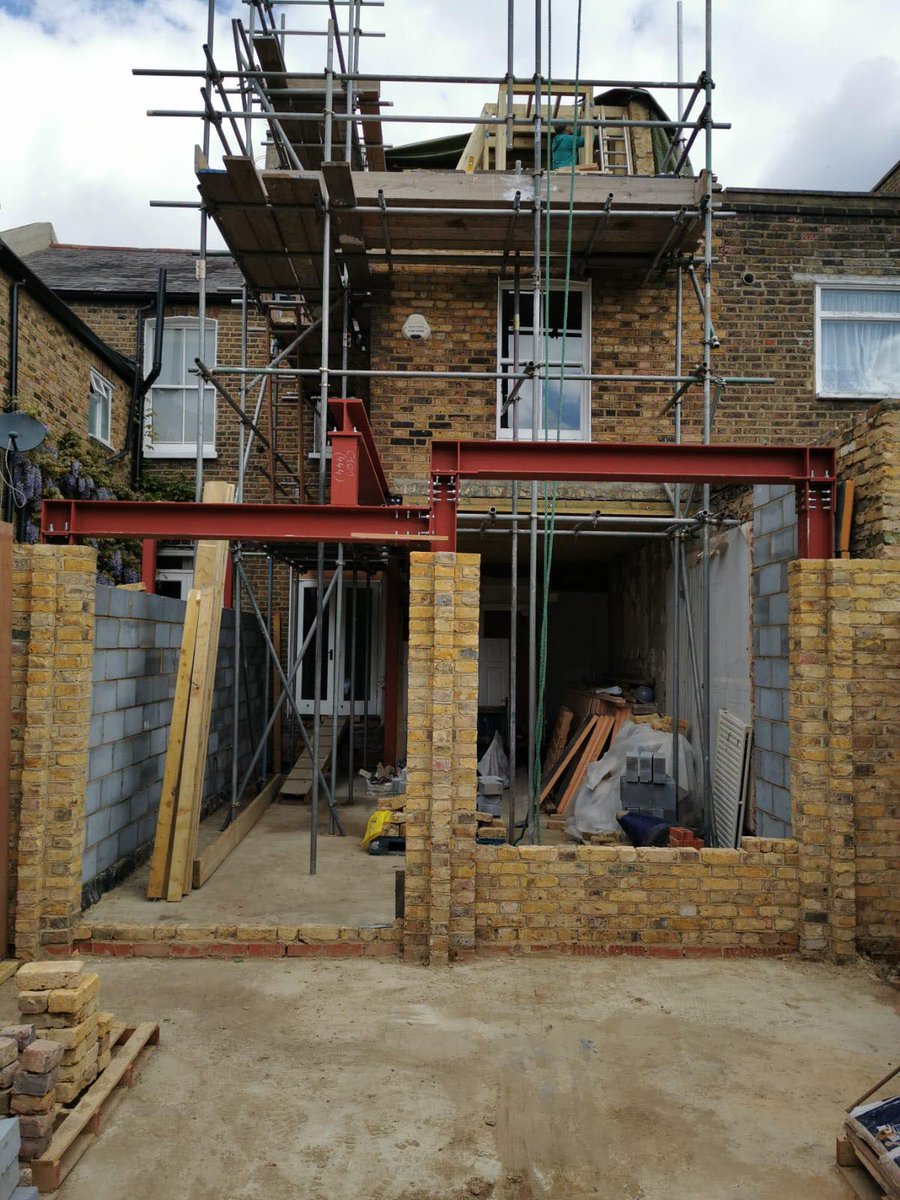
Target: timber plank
<point>587,728</point>
<point>213,856</point>
<point>162,842</point>
<point>593,750</point>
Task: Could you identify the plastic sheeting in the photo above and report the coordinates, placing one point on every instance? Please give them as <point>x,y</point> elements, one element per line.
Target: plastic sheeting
<point>494,761</point>
<point>598,800</point>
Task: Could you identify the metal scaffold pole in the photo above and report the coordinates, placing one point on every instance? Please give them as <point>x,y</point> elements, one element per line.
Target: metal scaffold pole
<point>323,449</point>
<point>706,656</point>
<point>202,260</point>
<point>533,784</point>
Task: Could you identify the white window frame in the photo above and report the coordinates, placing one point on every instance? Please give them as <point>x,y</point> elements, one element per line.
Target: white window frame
<point>99,386</point>
<point>183,576</point>
<point>583,434</point>
<point>848,284</point>
<point>185,449</point>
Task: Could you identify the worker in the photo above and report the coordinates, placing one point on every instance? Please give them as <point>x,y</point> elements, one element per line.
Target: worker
<point>564,148</point>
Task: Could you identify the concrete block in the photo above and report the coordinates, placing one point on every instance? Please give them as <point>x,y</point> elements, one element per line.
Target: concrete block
<point>10,1172</point>
<point>124,753</point>
<point>92,797</point>
<point>769,826</point>
<point>763,795</point>
<point>103,698</point>
<point>762,672</point>
<point>134,663</point>
<point>25,1193</point>
<point>778,609</point>
<point>89,869</point>
<point>101,600</point>
<point>780,671</point>
<point>125,693</point>
<point>781,738</point>
<point>768,703</point>
<point>118,816</point>
<point>106,633</point>
<point>158,740</point>
<point>131,780</point>
<point>784,544</point>
<point>114,723</point>
<point>42,1056</point>
<point>770,518</point>
<point>139,804</point>
<point>133,721</point>
<point>127,840</point>
<point>762,731</point>
<point>146,829</point>
<point>107,853</point>
<point>115,664</point>
<point>769,579</point>
<point>762,493</point>
<point>781,805</point>
<point>97,827</point>
<point>761,611</point>
<point>771,768</point>
<point>95,733</point>
<point>769,639</point>
<point>111,789</point>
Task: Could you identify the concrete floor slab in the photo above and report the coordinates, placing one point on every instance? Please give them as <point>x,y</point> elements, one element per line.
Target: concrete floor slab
<point>515,1080</point>
<point>266,880</point>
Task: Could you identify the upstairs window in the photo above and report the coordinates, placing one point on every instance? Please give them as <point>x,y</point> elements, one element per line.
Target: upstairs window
<point>858,340</point>
<point>564,413</point>
<point>100,408</point>
<point>170,417</point>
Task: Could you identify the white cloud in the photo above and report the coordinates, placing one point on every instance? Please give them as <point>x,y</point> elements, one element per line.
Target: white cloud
<point>810,87</point>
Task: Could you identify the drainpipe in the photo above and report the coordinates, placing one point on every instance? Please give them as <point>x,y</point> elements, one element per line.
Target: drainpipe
<point>134,441</point>
<point>13,373</point>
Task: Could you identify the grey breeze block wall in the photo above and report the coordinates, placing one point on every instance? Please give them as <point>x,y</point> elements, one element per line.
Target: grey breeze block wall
<point>136,647</point>
<point>774,545</point>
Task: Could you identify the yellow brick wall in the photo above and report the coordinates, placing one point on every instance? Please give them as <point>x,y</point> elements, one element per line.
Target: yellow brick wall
<point>55,371</point>
<point>869,454</point>
<point>53,648</point>
<point>619,900</point>
<point>441,756</point>
<point>845,748</point>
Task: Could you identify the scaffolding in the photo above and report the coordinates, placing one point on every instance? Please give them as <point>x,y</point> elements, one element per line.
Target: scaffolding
<point>311,228</point>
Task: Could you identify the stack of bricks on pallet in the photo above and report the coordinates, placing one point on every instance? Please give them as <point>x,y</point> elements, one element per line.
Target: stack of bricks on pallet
<point>9,1163</point>
<point>62,1002</point>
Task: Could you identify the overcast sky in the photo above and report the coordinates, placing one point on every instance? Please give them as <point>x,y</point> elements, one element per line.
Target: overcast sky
<point>812,88</point>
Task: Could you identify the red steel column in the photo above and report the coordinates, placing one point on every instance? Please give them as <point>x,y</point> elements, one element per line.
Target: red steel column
<point>393,615</point>
<point>148,564</point>
<point>815,520</point>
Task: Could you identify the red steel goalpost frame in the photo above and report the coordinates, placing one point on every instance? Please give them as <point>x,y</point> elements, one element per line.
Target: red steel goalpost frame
<point>810,470</point>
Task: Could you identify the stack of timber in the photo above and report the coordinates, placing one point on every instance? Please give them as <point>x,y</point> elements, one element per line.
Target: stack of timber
<point>297,784</point>
<point>563,777</point>
<point>178,818</point>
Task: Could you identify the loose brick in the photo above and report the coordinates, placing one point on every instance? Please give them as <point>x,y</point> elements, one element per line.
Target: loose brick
<point>74,999</point>
<point>28,1084</point>
<point>41,1056</point>
<point>45,976</point>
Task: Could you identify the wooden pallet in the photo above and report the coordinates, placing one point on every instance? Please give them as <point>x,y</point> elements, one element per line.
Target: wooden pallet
<point>81,1124</point>
<point>859,1167</point>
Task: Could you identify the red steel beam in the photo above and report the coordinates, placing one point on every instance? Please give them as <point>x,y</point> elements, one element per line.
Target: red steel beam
<point>357,476</point>
<point>72,520</point>
<point>632,462</point>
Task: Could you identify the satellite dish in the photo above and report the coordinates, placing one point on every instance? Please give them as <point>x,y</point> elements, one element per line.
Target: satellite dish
<point>20,432</point>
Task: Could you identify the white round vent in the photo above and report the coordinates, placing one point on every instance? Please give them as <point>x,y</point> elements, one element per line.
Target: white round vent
<point>416,328</point>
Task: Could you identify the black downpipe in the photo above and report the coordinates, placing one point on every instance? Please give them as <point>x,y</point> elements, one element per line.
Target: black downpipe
<point>13,372</point>
<point>134,440</point>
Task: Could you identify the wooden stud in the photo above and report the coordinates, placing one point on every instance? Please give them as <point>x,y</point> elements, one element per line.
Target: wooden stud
<point>157,884</point>
<point>213,856</point>
<point>587,728</point>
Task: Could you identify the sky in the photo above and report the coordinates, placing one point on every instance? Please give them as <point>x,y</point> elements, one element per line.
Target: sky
<point>811,88</point>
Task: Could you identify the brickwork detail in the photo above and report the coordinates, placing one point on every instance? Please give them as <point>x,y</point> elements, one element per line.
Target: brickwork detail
<point>441,756</point>
<point>845,739</point>
<point>616,899</point>
<point>53,615</point>
<point>869,454</point>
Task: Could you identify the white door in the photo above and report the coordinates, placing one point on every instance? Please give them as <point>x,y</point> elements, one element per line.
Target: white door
<point>493,672</point>
<point>369,632</point>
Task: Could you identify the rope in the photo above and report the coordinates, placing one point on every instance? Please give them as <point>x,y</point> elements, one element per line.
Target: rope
<point>551,491</point>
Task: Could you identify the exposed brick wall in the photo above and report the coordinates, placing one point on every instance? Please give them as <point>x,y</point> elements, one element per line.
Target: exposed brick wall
<point>55,370</point>
<point>845,741</point>
<point>768,327</point>
<point>441,756</point>
<point>53,643</point>
<point>869,454</point>
<point>616,899</point>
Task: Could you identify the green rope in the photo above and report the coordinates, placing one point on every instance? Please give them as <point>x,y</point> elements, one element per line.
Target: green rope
<point>551,491</point>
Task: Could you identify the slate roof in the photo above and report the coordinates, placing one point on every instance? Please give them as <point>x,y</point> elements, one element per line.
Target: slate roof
<point>129,271</point>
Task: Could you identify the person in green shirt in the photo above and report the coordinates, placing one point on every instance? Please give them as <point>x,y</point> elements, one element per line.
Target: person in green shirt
<point>564,148</point>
